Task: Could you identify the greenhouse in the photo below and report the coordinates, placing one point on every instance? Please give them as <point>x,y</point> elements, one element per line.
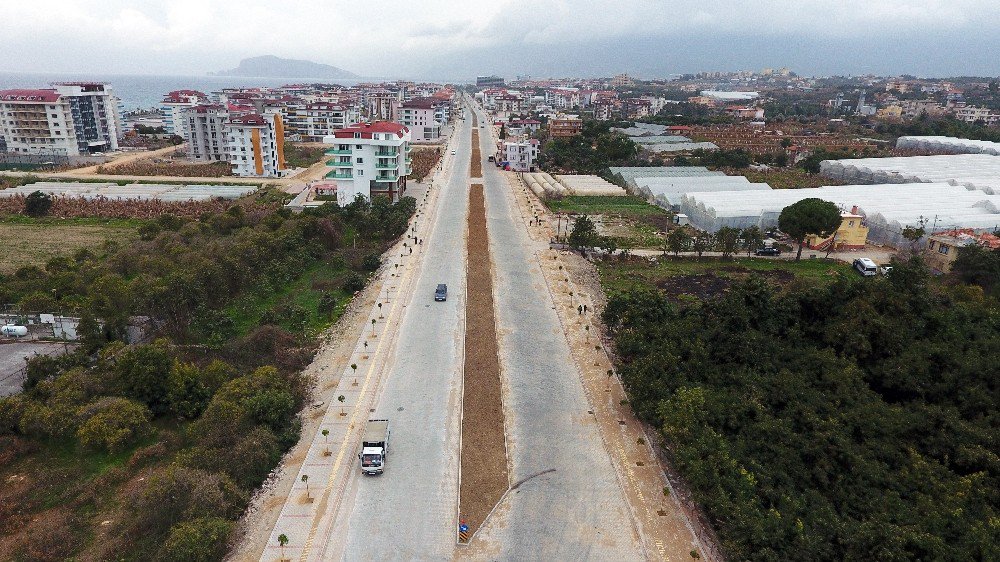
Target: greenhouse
<point>667,191</point>
<point>628,174</point>
<point>948,145</point>
<point>972,171</point>
<point>133,191</point>
<point>888,208</point>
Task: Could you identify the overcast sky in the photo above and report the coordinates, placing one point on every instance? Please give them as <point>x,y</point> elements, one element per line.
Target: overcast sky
<point>457,39</point>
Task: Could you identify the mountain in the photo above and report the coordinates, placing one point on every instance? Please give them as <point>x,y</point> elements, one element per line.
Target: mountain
<point>270,66</point>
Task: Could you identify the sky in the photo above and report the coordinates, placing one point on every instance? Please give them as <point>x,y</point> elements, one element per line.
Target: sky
<point>459,39</point>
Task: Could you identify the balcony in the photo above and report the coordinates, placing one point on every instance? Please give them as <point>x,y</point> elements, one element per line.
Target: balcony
<point>339,163</point>
<point>386,152</point>
<point>386,178</point>
<point>335,151</point>
<point>387,166</point>
<point>335,175</point>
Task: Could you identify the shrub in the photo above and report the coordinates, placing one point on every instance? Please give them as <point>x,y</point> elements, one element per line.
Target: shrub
<point>199,540</point>
<point>113,423</point>
<point>37,204</point>
<point>354,282</point>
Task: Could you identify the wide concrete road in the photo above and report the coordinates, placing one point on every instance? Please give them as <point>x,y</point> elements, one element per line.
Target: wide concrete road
<point>578,511</point>
<point>409,512</point>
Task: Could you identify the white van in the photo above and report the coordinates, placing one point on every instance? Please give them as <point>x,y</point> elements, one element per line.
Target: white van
<point>866,267</point>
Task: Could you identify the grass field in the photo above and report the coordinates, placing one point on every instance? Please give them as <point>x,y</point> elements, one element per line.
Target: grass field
<point>29,241</point>
<point>295,306</point>
<point>628,206</point>
<point>707,277</point>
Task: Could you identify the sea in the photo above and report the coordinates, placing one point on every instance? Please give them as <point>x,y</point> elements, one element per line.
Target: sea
<point>146,91</point>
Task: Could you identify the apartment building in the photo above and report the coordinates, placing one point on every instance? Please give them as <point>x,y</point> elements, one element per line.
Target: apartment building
<point>255,144</point>
<point>204,129</point>
<point>324,118</point>
<point>519,155</point>
<point>173,105</point>
<point>971,114</point>
<point>71,119</point>
<point>489,82</point>
<point>369,159</point>
<point>381,105</point>
<point>562,126</point>
<point>424,117</point>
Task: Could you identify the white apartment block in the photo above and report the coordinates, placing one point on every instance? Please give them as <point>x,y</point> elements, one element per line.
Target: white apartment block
<point>72,119</point>
<point>172,107</point>
<point>519,156</point>
<point>255,145</point>
<point>205,132</point>
<point>971,114</point>
<point>424,117</point>
<point>324,118</point>
<point>369,159</point>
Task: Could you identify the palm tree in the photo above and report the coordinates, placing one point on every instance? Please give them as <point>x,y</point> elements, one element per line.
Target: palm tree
<point>282,540</point>
<point>305,479</point>
<point>326,442</point>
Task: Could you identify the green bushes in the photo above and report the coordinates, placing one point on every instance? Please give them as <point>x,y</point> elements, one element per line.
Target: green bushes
<point>853,420</point>
<point>112,423</point>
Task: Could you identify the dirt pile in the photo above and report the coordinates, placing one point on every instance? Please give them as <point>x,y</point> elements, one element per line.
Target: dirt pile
<point>484,451</point>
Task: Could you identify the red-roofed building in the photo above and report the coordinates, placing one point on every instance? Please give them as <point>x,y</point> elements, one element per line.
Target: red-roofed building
<point>174,104</point>
<point>424,117</point>
<point>942,247</point>
<point>255,144</point>
<point>71,119</point>
<point>369,159</point>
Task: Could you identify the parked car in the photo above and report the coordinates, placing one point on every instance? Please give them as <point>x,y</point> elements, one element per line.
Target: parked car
<point>885,269</point>
<point>441,293</point>
<point>769,251</point>
<point>453,152</point>
<point>866,267</point>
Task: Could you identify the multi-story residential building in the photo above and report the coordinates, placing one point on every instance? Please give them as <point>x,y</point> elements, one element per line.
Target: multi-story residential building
<point>604,109</point>
<point>509,103</point>
<point>37,122</point>
<point>421,116</point>
<point>637,108</point>
<point>563,98</point>
<point>621,80</point>
<point>95,115</point>
<point>381,105</point>
<point>255,144</point>
<point>562,126</point>
<point>851,235</point>
<point>71,119</point>
<point>971,114</point>
<point>173,106</point>
<point>324,118</point>
<point>518,155</point>
<point>489,82</point>
<point>369,159</point>
<point>205,130</point>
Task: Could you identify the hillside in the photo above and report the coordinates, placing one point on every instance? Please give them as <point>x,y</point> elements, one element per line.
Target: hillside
<point>275,67</point>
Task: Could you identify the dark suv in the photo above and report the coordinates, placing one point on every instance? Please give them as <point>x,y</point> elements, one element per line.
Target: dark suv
<point>441,293</point>
<point>769,251</point>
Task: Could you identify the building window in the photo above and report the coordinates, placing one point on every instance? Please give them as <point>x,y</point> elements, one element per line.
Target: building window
<point>943,249</point>
<point>360,172</point>
<point>361,160</point>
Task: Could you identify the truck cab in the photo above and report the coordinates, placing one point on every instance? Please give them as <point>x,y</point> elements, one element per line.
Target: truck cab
<point>374,447</point>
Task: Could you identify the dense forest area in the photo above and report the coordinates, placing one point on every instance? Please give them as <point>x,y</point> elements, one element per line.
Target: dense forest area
<point>152,451</point>
<point>855,420</point>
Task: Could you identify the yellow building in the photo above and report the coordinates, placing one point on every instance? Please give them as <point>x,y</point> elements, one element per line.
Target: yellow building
<point>852,234</point>
<point>891,111</point>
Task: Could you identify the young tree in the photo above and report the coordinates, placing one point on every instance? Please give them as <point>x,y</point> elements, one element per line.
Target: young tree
<point>326,442</point>
<point>702,241</point>
<point>809,216</point>
<point>753,239</point>
<point>914,233</point>
<point>727,240</point>
<point>341,399</point>
<point>678,240</point>
<point>584,234</point>
<point>37,204</point>
<point>305,480</point>
<point>282,541</point>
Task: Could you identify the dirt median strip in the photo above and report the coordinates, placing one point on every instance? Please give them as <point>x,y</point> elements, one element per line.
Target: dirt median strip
<point>476,169</point>
<point>484,476</point>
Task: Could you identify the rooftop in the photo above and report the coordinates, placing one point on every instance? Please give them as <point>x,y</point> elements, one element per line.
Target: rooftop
<point>29,95</point>
<point>367,129</point>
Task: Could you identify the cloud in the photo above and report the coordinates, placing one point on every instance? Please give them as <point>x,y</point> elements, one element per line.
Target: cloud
<point>384,37</point>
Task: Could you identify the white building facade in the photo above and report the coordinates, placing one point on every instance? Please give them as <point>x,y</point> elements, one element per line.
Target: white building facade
<point>205,133</point>
<point>369,159</point>
<point>71,119</point>
<point>255,145</point>
<point>172,107</point>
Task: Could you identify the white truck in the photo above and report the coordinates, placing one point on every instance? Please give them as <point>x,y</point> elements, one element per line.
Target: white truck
<point>374,447</point>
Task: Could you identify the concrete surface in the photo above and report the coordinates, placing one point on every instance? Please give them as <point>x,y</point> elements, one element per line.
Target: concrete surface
<point>576,512</point>
<point>12,362</point>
